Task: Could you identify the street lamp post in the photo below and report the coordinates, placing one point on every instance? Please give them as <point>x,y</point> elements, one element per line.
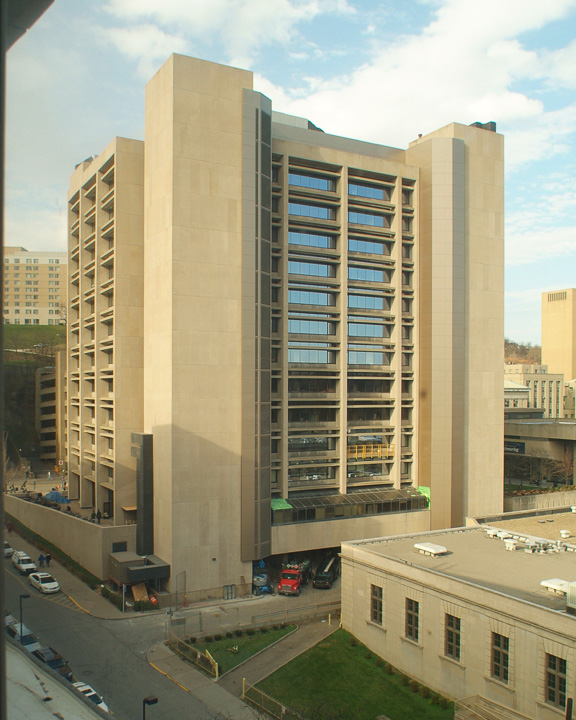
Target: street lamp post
<point>22,597</point>
<point>150,700</point>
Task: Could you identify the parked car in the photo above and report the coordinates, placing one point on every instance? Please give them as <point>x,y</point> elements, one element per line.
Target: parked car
<point>91,694</point>
<point>44,582</point>
<point>23,562</point>
<point>26,639</point>
<point>54,660</point>
<point>8,549</point>
<point>9,619</point>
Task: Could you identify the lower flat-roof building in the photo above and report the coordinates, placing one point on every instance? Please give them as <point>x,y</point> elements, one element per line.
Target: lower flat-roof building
<point>478,614</point>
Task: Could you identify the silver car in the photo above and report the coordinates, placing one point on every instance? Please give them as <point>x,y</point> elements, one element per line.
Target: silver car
<point>26,639</point>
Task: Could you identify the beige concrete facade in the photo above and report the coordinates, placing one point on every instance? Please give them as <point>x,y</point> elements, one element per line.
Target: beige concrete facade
<point>278,310</point>
<point>104,329</point>
<point>34,287</point>
<point>473,624</point>
<point>559,332</point>
<point>546,389</point>
<point>461,319</point>
<point>86,543</point>
<point>516,395</point>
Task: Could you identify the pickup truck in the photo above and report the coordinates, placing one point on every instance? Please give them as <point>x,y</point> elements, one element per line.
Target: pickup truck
<point>295,573</point>
<point>23,562</point>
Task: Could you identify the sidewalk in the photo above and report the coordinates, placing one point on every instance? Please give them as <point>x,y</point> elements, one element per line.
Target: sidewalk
<point>274,657</point>
<point>162,659</point>
<point>72,587</point>
<point>223,696</point>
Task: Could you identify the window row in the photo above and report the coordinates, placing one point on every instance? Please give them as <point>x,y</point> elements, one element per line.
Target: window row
<point>359,245</point>
<point>555,667</point>
<point>362,302</point>
<point>328,184</point>
<point>328,212</point>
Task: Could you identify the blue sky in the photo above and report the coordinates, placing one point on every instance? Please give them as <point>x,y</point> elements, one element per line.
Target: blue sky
<point>381,71</point>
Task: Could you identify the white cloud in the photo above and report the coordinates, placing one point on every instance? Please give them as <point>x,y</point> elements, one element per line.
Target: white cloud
<point>242,26</point>
<point>37,229</point>
<point>543,227</point>
<point>467,65</point>
<point>147,44</point>
<point>546,135</point>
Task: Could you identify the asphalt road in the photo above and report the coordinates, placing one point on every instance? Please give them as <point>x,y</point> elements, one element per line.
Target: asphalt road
<point>110,655</point>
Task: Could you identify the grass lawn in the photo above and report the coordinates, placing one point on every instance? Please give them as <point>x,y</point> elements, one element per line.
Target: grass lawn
<point>247,644</point>
<point>345,682</point>
<point>26,336</point>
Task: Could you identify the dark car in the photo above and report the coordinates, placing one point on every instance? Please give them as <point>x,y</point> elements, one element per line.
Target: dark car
<point>27,639</point>
<point>54,660</point>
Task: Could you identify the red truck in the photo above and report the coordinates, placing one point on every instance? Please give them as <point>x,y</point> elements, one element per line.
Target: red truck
<point>295,573</point>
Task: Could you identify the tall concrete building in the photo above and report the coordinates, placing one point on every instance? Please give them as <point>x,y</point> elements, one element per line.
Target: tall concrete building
<point>559,332</point>
<point>34,287</point>
<point>308,328</point>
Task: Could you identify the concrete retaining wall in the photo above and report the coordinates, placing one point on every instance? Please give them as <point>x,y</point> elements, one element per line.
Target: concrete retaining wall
<point>539,502</point>
<point>86,543</point>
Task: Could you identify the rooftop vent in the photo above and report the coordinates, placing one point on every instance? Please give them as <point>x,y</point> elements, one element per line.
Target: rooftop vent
<point>428,548</point>
<point>491,126</point>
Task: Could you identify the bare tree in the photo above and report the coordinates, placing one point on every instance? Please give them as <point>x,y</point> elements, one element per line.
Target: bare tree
<point>10,468</point>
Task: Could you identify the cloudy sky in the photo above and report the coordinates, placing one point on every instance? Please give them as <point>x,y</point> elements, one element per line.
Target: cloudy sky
<point>377,70</point>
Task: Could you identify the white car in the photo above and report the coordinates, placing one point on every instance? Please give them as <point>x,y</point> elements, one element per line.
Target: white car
<point>91,694</point>
<point>44,582</point>
<point>8,549</point>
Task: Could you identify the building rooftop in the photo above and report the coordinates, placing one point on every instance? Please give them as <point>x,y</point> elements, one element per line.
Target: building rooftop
<point>475,557</point>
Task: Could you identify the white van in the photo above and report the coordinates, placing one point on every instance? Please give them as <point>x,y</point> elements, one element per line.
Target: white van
<point>23,562</point>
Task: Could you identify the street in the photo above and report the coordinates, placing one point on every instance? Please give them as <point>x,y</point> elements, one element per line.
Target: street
<point>110,655</point>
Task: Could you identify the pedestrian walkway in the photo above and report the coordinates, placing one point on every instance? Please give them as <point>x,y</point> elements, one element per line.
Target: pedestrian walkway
<point>197,684</point>
<point>223,695</point>
<point>274,657</point>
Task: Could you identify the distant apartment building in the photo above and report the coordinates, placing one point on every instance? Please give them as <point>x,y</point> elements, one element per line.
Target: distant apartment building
<point>50,413</point>
<point>35,286</point>
<point>559,332</point>
<point>288,315</point>
<point>546,390</point>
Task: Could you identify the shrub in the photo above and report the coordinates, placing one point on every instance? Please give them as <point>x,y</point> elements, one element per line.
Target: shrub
<point>264,630</point>
<point>238,633</point>
<point>229,634</point>
<point>405,680</point>
<point>353,641</point>
<point>217,637</point>
<point>192,641</point>
<point>443,703</point>
<point>389,669</point>
<point>435,699</point>
<point>424,691</point>
<point>378,662</point>
<point>143,605</point>
<point>208,639</point>
<point>368,655</point>
<point>250,631</point>
<point>414,686</point>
